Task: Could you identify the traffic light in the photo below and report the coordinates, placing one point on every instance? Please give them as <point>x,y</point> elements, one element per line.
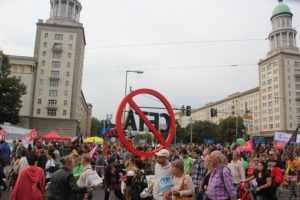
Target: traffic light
<point>213,112</point>
<point>188,111</point>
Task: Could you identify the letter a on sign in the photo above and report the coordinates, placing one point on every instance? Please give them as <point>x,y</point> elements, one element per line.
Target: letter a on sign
<point>169,118</point>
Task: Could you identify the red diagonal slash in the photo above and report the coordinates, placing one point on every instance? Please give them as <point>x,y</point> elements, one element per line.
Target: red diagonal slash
<point>147,122</point>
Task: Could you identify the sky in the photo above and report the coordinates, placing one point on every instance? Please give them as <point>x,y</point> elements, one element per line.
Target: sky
<point>191,51</point>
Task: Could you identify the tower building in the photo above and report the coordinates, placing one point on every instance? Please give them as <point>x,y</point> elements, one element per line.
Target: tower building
<point>279,76</point>
<point>58,102</point>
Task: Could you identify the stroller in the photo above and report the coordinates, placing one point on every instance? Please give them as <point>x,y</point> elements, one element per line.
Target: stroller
<point>244,192</point>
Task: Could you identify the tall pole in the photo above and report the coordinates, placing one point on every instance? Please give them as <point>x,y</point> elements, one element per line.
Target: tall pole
<point>236,127</point>
<point>191,130</point>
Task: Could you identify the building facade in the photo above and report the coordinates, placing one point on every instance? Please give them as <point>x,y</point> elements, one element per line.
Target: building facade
<point>275,104</point>
<point>58,102</point>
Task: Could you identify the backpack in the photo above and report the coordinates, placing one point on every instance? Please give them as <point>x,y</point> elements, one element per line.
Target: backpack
<point>277,177</point>
<point>139,181</point>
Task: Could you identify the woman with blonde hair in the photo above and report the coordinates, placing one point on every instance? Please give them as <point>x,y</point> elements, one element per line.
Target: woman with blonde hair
<point>182,183</point>
<point>204,185</point>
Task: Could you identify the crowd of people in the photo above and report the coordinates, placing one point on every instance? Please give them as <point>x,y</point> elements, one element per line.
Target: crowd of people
<point>55,171</point>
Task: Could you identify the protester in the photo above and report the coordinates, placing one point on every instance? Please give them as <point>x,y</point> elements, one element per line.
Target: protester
<point>50,167</point>
<point>237,170</point>
<point>203,189</point>
<point>188,162</point>
<point>162,170</point>
<point>23,161</point>
<point>173,155</point>
<point>31,182</point>
<point>199,171</point>
<point>63,184</point>
<point>220,185</point>
<point>84,180</point>
<point>182,183</point>
<point>112,178</point>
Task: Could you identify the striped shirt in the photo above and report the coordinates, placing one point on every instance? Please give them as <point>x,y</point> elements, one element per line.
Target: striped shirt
<point>220,186</point>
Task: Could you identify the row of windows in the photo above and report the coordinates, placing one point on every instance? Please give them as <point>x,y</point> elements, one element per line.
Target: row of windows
<point>58,36</point>
<point>55,64</point>
<point>53,93</point>
<point>57,55</point>
<point>55,74</point>
<point>58,45</point>
<point>50,112</point>
<point>52,102</point>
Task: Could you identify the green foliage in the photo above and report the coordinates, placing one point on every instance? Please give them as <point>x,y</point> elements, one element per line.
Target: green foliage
<point>11,91</point>
<point>223,132</point>
<point>95,125</point>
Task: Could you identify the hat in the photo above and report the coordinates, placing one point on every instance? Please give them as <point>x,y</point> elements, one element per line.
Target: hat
<point>164,153</point>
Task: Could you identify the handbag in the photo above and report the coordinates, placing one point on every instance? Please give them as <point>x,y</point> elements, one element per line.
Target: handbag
<point>182,188</point>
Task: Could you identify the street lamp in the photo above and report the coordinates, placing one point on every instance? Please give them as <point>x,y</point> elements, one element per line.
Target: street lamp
<point>131,71</point>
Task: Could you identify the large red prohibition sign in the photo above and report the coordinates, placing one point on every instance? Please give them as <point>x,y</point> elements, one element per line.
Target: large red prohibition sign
<point>129,99</point>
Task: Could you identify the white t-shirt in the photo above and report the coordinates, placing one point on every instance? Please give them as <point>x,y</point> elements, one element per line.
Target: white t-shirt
<point>160,172</point>
<point>50,163</point>
<point>83,180</point>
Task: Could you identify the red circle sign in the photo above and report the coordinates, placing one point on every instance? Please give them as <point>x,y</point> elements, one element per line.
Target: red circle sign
<point>129,99</point>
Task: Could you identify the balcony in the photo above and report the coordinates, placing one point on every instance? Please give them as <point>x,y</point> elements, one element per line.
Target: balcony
<point>57,48</point>
<point>54,78</point>
<point>52,106</point>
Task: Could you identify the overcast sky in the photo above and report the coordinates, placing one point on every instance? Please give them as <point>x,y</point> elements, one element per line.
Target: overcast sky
<point>167,39</point>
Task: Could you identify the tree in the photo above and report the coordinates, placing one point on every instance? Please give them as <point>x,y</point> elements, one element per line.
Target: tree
<point>227,129</point>
<point>95,126</point>
<point>11,91</point>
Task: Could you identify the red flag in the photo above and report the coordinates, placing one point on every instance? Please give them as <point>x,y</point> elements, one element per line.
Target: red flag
<point>248,146</point>
<point>2,132</point>
<point>33,134</point>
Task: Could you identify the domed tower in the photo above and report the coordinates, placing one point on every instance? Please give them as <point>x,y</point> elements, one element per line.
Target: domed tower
<point>283,36</point>
<point>67,9</point>
<point>64,11</point>
<point>279,76</point>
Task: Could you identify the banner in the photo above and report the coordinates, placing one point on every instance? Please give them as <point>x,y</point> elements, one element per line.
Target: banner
<point>284,137</point>
<point>248,146</point>
<point>32,135</point>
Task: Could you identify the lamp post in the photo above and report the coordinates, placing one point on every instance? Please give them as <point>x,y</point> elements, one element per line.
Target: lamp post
<point>191,119</point>
<point>126,79</point>
<point>131,71</point>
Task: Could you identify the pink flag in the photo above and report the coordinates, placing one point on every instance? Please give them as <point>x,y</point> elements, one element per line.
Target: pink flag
<point>91,153</point>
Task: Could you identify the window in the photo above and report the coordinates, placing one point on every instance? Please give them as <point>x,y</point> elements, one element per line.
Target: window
<point>44,53</point>
<point>270,111</point>
<point>71,37</point>
<point>269,81</point>
<point>53,93</point>
<point>65,102</point>
<point>51,112</point>
<point>270,119</point>
<point>64,112</point>
<point>42,72</point>
<point>45,44</point>
<point>58,36</point>
<point>52,102</point>
<point>298,110</point>
<point>54,83</point>
<point>55,64</point>
<point>40,91</point>
<point>56,55</point>
<point>68,64</point>
<point>46,35</point>
<point>67,74</point>
<point>39,101</point>
<point>66,93</point>
<point>70,46</point>
<point>41,82</point>
<point>297,87</point>
<point>297,65</point>
<point>54,74</point>
<point>297,79</point>
<point>271,126</point>
<point>38,111</point>
<point>43,63</point>
<point>67,83</point>
<point>69,55</point>
<point>270,96</point>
